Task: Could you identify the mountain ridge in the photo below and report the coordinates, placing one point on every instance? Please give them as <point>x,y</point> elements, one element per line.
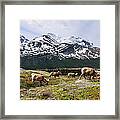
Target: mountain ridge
<point>51,51</point>
<point>75,47</point>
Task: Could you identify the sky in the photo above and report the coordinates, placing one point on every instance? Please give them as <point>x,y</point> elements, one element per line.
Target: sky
<point>86,29</point>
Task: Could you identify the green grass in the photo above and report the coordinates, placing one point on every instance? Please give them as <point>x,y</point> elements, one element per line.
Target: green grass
<point>60,88</point>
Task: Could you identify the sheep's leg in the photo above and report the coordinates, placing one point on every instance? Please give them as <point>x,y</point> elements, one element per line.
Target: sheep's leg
<point>91,77</point>
<point>40,83</point>
<point>81,76</point>
<point>85,76</point>
<point>45,82</point>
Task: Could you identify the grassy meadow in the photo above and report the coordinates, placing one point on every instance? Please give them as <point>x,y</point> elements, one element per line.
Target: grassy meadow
<point>59,88</point>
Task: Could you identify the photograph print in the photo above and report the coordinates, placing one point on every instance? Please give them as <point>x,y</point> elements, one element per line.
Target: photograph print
<point>60,60</point>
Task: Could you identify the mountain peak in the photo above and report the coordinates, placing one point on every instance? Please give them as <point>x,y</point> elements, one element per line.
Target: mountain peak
<point>52,45</point>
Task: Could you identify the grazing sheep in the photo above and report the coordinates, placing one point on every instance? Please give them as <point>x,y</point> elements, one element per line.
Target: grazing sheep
<point>55,74</point>
<point>40,78</point>
<point>88,73</point>
<point>72,74</point>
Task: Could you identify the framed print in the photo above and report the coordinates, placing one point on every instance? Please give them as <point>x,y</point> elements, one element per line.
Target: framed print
<point>60,60</point>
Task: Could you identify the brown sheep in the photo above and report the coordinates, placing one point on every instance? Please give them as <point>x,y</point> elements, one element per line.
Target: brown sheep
<point>55,74</point>
<point>88,73</point>
<point>40,78</point>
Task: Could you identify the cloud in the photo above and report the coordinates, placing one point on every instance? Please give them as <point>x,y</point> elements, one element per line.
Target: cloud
<point>88,29</point>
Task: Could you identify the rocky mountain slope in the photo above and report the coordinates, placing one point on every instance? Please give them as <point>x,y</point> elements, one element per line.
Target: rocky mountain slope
<point>50,47</point>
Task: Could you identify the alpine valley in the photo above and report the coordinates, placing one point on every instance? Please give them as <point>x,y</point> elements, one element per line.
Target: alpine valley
<point>49,51</point>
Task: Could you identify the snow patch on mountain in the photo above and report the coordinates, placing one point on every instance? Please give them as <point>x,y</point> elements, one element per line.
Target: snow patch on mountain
<point>52,45</point>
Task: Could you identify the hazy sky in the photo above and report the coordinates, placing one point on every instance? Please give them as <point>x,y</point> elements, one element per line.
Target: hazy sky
<point>87,29</point>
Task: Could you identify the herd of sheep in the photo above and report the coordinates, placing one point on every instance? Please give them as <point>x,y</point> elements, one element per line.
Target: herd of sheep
<point>87,73</point>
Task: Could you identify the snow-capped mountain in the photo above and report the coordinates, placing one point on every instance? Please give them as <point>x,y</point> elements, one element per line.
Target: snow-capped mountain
<point>52,45</point>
